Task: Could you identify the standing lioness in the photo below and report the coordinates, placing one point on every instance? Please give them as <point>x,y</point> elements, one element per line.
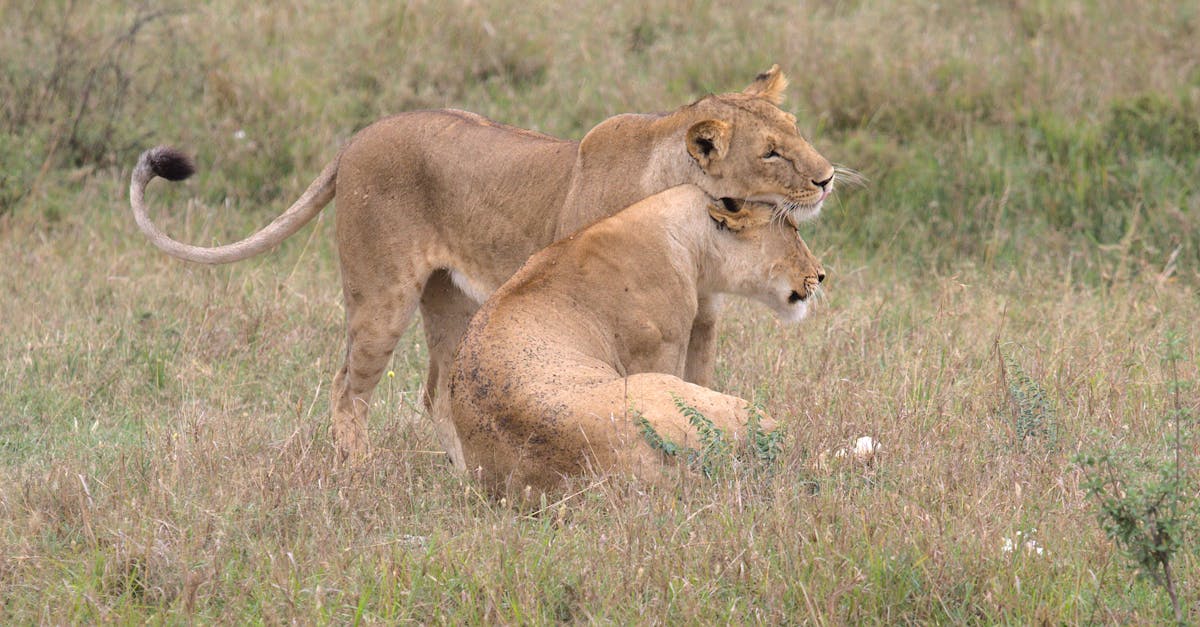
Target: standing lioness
<point>593,331</point>
<point>441,207</point>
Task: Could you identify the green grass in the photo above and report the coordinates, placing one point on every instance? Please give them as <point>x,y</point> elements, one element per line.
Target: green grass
<point>164,453</point>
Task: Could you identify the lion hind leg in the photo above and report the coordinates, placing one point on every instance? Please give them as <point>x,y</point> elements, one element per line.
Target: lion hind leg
<point>664,402</point>
<point>445,313</point>
<point>374,326</point>
<point>657,401</point>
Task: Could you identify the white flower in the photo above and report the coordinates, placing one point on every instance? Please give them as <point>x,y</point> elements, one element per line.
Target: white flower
<point>1032,547</point>
<point>1027,543</point>
<point>864,452</point>
<point>866,448</point>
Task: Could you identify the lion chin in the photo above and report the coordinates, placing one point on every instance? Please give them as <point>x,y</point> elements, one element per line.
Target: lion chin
<point>792,313</point>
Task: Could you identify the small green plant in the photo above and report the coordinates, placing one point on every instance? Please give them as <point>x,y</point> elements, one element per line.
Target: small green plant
<point>764,445</point>
<point>717,455</point>
<point>1147,504</point>
<point>1033,414</point>
<point>656,441</point>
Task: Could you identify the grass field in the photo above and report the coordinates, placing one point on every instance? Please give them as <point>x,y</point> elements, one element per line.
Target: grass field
<point>1032,218</point>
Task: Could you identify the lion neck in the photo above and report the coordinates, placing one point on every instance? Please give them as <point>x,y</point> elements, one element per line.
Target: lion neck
<point>692,244</point>
<point>629,157</point>
<point>705,253</point>
<point>668,163</point>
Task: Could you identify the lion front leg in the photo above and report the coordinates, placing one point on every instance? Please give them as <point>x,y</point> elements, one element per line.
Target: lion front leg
<point>702,344</point>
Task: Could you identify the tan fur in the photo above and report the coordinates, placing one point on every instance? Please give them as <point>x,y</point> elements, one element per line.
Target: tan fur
<point>551,371</point>
<point>432,201</point>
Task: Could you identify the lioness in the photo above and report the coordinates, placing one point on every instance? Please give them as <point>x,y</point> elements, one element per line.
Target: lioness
<point>441,207</point>
<point>596,327</point>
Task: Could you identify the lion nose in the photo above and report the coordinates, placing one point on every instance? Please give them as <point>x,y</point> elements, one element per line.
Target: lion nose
<point>820,276</point>
<point>825,183</point>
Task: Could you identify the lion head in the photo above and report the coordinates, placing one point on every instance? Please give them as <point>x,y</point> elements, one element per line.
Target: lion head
<point>758,253</point>
<point>747,147</point>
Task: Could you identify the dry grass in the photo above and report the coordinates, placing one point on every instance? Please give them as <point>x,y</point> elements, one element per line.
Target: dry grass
<point>163,444</point>
<point>166,452</point>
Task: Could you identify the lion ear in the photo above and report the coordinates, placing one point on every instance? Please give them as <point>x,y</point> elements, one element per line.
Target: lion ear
<point>718,215</point>
<point>769,85</point>
<point>708,141</point>
<point>729,213</point>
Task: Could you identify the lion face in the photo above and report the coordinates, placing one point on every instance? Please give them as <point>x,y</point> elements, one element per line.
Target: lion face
<point>749,148</point>
<point>758,253</point>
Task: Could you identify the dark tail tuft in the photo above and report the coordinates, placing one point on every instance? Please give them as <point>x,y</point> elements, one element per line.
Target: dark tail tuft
<point>170,163</point>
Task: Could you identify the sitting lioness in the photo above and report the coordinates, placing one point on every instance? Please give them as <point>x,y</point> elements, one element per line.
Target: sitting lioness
<point>441,207</point>
<point>593,332</point>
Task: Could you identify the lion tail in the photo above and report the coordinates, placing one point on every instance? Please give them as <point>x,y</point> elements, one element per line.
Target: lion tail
<point>173,165</point>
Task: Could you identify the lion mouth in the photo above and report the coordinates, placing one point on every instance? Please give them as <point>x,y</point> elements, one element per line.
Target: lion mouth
<point>790,305</point>
<point>801,212</point>
<point>794,210</point>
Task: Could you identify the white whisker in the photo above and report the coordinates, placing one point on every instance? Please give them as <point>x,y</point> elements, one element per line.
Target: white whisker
<point>849,176</point>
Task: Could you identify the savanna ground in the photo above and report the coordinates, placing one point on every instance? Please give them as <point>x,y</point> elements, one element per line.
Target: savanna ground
<point>1033,201</point>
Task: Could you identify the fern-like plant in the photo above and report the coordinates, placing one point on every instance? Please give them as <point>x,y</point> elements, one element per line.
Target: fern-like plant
<point>765,446</point>
<point>716,455</point>
<point>656,441</point>
<point>1034,418</point>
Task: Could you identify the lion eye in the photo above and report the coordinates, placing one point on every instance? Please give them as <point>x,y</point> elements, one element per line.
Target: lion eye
<point>771,154</point>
